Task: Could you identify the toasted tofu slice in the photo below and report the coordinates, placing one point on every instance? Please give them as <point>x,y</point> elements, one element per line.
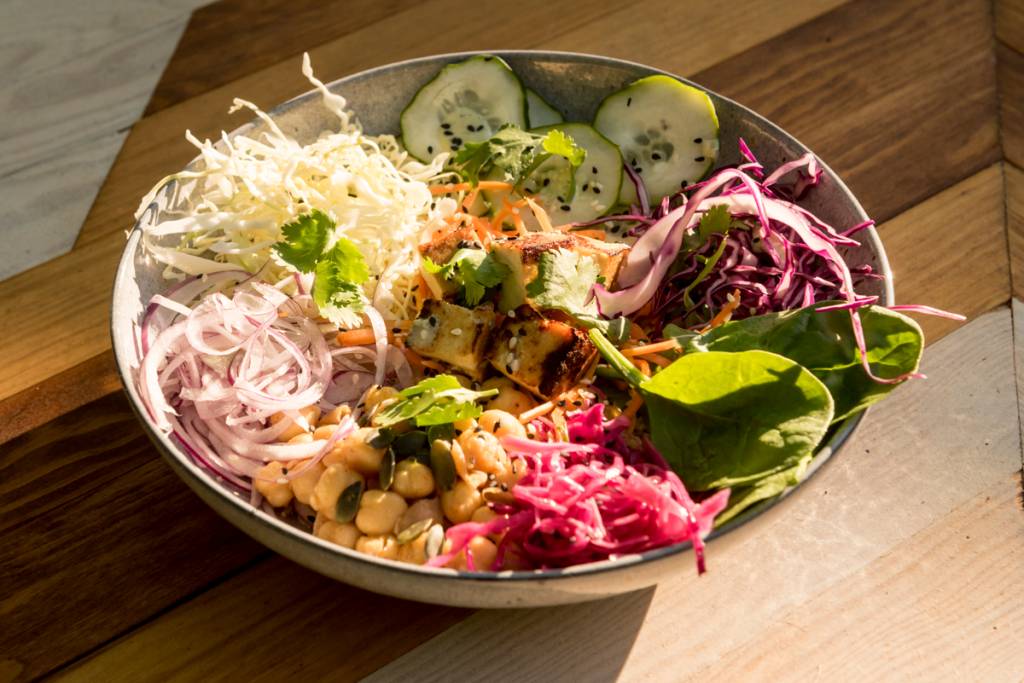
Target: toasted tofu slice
<point>547,357</point>
<point>522,256</point>
<point>454,335</point>
<point>440,250</point>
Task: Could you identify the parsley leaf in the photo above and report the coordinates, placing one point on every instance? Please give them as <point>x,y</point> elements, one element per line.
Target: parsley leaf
<point>305,239</point>
<point>512,154</point>
<point>434,401</point>
<point>338,271</point>
<point>474,269</point>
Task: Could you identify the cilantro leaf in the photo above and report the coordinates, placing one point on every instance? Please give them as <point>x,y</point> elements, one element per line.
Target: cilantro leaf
<point>434,401</point>
<point>512,154</point>
<point>563,283</point>
<point>474,269</point>
<point>336,287</point>
<point>305,239</point>
<point>716,220</point>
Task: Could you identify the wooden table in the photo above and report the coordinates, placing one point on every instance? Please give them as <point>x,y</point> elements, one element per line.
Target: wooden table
<point>904,559</point>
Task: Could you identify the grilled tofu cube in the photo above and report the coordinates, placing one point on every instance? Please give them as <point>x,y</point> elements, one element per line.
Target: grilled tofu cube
<point>544,356</point>
<point>440,250</point>
<point>522,256</point>
<point>454,335</point>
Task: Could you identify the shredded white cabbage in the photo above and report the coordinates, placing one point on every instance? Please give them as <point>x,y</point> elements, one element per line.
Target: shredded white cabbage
<point>233,207</point>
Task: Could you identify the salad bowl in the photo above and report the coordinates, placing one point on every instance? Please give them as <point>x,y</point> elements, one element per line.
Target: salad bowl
<point>574,84</point>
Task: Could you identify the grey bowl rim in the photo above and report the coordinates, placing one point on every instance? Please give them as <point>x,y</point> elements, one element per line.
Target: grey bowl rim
<point>197,477</point>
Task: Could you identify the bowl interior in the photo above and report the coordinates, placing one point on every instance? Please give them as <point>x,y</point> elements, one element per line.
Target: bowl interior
<point>575,84</point>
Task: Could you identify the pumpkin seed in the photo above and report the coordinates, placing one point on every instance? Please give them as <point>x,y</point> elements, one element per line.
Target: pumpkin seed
<point>387,469</point>
<point>348,503</point>
<point>409,444</point>
<point>496,495</point>
<point>445,432</point>
<point>442,464</point>
<point>413,531</point>
<point>435,540</point>
<point>380,438</point>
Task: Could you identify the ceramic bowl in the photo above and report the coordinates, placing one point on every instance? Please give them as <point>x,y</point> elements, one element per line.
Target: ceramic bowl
<point>575,84</point>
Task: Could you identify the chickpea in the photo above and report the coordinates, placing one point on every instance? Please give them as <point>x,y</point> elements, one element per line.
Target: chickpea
<point>310,414</point>
<point>305,481</point>
<point>376,395</point>
<point>484,552</point>
<point>385,546</point>
<point>483,451</point>
<point>499,383</point>
<point>460,502</point>
<point>335,479</point>
<point>476,479</point>
<point>416,550</point>
<point>379,511</point>
<point>511,401</point>
<point>412,479</point>
<point>502,424</point>
<point>355,452</point>
<point>335,416</point>
<point>272,485</point>
<point>483,514</point>
<point>426,508</point>
<point>324,432</point>
<point>344,535</point>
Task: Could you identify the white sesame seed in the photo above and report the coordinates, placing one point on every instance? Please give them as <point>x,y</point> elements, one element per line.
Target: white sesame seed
<point>512,342</point>
<point>511,314</point>
<point>515,365</point>
<point>456,331</point>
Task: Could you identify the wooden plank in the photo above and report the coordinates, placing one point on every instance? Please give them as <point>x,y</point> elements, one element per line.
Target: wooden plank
<point>1010,22</point>
<point>1011,102</point>
<point>268,625</point>
<point>155,147</point>
<point>98,536</point>
<point>1015,226</point>
<point>898,124</point>
<point>963,269</point>
<point>84,383</point>
<point>210,53</point>
<point>893,510</point>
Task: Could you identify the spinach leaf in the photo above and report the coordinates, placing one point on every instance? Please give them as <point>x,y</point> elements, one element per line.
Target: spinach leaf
<point>824,344</point>
<point>731,419</point>
<point>726,419</point>
<point>742,497</point>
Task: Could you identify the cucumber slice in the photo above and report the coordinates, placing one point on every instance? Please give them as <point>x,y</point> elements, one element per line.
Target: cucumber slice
<point>597,179</point>
<point>667,131</point>
<point>466,102</point>
<point>539,112</point>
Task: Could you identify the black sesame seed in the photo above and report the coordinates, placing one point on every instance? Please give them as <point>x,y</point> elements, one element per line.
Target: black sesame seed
<point>446,126</point>
<point>629,101</point>
<point>566,207</point>
<point>396,330</point>
<point>615,229</point>
<point>577,403</point>
<point>560,199</point>
<point>432,320</point>
<point>656,156</point>
<point>698,158</point>
<point>430,149</point>
<point>698,140</point>
<point>585,186</point>
<point>547,181</point>
<point>684,183</point>
<point>597,190</point>
<point>593,169</point>
<point>448,133</point>
<point>508,369</point>
<point>471,129</point>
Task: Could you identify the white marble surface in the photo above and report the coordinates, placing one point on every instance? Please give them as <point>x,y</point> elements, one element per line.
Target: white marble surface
<point>77,75</point>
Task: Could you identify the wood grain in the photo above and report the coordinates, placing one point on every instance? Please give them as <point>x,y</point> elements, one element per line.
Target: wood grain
<point>1011,102</point>
<point>1010,22</point>
<point>846,86</point>
<point>971,278</point>
<point>213,52</point>
<point>881,532</point>
<point>155,147</point>
<point>99,535</point>
<point>1015,226</point>
<point>269,624</point>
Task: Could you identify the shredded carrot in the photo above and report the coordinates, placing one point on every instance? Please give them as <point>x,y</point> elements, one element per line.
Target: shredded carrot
<point>534,413</point>
<point>561,426</point>
<point>658,360</point>
<point>657,347</point>
<point>636,401</point>
<point>541,214</point>
<point>593,234</point>
<point>724,315</point>
<point>642,365</point>
<point>467,187</point>
<point>362,336</point>
<point>470,198</point>
<point>636,332</point>
<point>432,365</point>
